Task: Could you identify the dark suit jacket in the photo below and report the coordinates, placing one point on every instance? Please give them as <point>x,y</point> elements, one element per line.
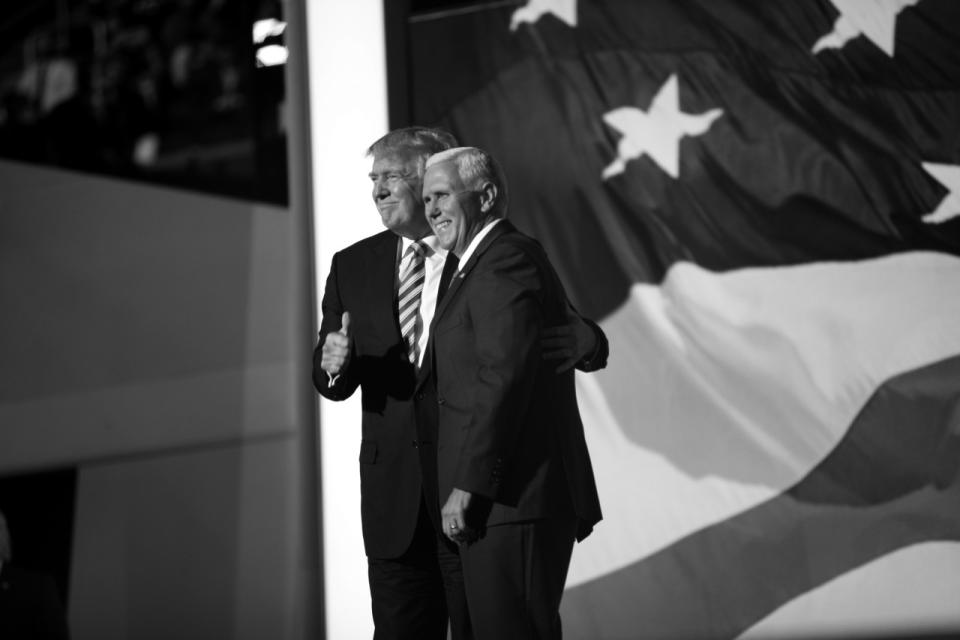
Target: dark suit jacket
<point>507,426</point>
<point>361,281</point>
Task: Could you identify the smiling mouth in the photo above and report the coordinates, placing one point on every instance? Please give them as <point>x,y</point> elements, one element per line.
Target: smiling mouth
<point>440,226</point>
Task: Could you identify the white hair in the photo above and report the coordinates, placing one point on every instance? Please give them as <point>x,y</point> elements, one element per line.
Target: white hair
<point>475,166</point>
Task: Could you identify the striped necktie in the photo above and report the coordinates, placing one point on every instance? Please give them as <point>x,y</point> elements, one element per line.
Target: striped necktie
<point>412,277</point>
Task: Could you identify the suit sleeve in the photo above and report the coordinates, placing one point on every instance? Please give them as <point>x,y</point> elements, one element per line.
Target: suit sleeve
<point>598,359</point>
<point>342,386</point>
<point>505,312</point>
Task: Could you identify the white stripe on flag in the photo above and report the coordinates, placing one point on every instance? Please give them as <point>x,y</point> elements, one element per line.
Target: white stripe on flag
<point>725,389</point>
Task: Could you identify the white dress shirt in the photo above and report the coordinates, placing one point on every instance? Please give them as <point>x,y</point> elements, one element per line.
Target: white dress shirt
<point>433,268</point>
<point>476,240</point>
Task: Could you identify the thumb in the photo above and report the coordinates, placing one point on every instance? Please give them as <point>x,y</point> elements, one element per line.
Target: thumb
<point>345,324</point>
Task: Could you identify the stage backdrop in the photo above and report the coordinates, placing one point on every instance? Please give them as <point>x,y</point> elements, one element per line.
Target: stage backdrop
<point>760,203</point>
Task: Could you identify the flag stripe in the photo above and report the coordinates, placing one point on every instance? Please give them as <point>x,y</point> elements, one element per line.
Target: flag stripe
<point>763,369</point>
<point>753,563</point>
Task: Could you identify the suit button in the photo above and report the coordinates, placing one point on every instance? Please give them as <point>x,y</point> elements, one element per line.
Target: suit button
<point>419,396</point>
<point>440,400</point>
<point>415,444</point>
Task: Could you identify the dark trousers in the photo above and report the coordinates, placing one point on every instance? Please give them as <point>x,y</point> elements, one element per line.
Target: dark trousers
<point>407,593</point>
<point>448,557</point>
<point>514,578</point>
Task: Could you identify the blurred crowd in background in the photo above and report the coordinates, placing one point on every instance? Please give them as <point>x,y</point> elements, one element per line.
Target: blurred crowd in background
<point>168,91</point>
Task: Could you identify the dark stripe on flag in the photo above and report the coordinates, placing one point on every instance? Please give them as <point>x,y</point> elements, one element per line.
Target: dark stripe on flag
<point>816,156</point>
<point>893,481</point>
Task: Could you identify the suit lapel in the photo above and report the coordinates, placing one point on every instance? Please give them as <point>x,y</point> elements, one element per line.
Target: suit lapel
<point>381,281</point>
<point>502,227</point>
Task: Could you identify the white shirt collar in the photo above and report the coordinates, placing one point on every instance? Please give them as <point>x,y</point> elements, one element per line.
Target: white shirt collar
<point>434,243</point>
<point>431,241</point>
<point>476,241</point>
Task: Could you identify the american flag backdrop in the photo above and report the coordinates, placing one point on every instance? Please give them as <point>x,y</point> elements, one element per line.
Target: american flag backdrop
<point>759,201</point>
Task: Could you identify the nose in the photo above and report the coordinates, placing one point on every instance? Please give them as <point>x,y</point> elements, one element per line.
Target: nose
<point>380,190</point>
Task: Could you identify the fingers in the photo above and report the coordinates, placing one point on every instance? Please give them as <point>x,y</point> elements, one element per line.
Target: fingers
<point>567,357</point>
<point>567,364</point>
<point>453,517</point>
<point>558,343</point>
<point>451,527</point>
<point>335,352</point>
<point>331,365</point>
<point>464,537</point>
<point>336,341</point>
<point>453,531</point>
<point>459,533</point>
<point>556,339</point>
<point>560,333</point>
<point>345,324</point>
<point>568,343</point>
<point>552,352</point>
<point>555,344</point>
<point>454,525</point>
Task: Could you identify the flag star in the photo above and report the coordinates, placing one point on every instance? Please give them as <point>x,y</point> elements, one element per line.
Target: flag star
<point>657,131</point>
<point>949,176</point>
<point>565,10</point>
<point>876,19</point>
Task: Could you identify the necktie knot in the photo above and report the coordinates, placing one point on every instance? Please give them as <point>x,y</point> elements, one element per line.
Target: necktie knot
<point>417,249</point>
<point>413,256</point>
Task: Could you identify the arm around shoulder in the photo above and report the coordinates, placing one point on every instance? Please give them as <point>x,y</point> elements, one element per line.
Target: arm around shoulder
<point>597,358</point>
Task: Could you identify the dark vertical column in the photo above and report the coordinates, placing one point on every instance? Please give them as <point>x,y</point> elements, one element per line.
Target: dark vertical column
<point>395,16</point>
<point>266,93</point>
<point>39,509</point>
<point>304,332</point>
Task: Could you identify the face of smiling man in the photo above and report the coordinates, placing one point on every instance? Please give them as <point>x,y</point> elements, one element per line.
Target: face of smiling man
<point>456,213</point>
<point>396,192</point>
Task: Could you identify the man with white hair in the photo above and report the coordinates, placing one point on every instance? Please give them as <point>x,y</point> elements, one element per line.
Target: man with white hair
<point>513,471</point>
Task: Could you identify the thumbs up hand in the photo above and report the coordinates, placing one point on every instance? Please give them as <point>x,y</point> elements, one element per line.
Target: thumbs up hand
<point>335,355</point>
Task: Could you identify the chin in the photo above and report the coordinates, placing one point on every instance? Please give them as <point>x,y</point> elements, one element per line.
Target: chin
<point>393,225</point>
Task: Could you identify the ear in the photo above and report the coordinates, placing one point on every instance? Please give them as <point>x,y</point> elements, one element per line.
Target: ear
<point>488,196</point>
